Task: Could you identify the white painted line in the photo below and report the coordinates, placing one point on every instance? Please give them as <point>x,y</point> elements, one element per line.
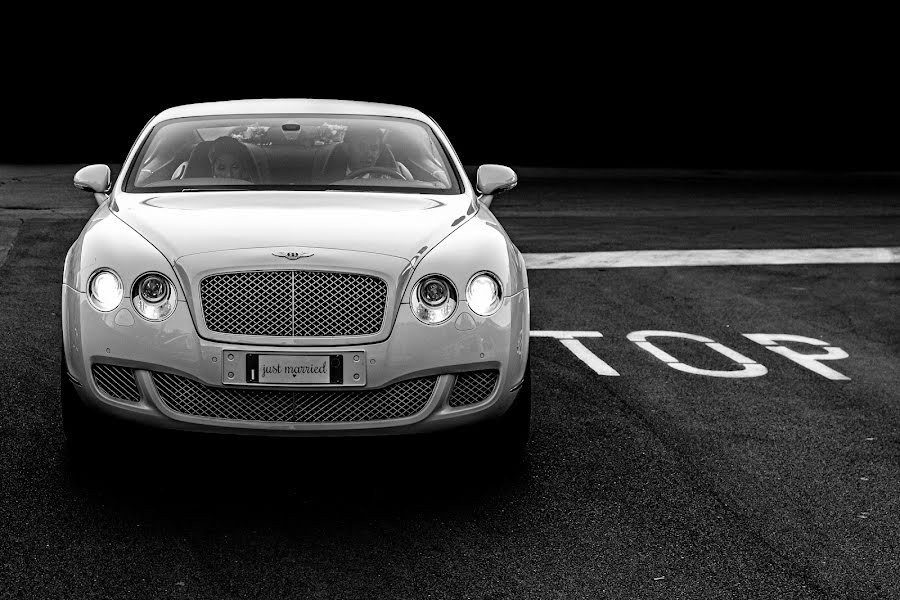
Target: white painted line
<point>589,358</point>
<point>561,335</point>
<point>749,367</point>
<point>567,338</point>
<point>810,361</point>
<point>733,355</point>
<point>705,258</point>
<point>747,370</point>
<point>771,339</point>
<point>641,336</point>
<point>657,352</point>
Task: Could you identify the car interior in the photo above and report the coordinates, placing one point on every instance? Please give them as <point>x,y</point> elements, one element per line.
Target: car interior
<point>290,154</point>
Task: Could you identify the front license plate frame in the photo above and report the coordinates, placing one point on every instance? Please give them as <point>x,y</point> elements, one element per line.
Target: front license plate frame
<point>241,368</point>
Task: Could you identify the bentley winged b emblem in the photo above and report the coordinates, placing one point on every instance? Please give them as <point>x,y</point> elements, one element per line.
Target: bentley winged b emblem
<point>293,255</point>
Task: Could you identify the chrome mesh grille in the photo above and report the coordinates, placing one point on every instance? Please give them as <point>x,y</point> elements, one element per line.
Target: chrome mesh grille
<point>293,303</point>
<point>116,382</point>
<point>473,387</point>
<point>396,401</point>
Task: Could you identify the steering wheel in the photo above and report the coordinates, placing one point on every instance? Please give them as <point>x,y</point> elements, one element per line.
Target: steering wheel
<point>376,170</point>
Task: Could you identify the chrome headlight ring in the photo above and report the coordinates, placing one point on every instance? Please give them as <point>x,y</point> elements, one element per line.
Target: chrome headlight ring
<point>154,297</point>
<point>105,290</point>
<point>434,299</point>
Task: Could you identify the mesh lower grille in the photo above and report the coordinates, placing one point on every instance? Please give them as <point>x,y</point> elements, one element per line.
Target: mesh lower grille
<point>293,303</point>
<point>116,382</point>
<point>473,387</point>
<point>396,401</point>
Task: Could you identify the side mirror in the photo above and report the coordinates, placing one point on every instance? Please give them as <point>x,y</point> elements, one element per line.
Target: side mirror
<point>96,179</point>
<point>492,180</point>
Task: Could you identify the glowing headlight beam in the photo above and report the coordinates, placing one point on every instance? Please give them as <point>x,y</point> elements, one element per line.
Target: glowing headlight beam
<point>483,294</point>
<point>105,290</point>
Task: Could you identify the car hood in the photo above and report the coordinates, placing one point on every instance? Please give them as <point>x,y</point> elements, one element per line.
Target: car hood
<point>400,225</point>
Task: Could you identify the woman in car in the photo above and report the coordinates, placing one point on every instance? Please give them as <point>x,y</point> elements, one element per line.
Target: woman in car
<point>225,158</point>
<point>229,159</point>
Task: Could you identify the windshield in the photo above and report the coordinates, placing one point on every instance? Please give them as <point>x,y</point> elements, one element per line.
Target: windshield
<point>332,152</point>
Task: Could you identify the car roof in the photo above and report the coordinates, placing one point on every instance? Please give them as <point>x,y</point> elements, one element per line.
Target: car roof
<point>289,106</point>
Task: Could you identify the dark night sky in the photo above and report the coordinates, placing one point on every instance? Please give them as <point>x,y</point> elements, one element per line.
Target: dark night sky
<point>661,97</point>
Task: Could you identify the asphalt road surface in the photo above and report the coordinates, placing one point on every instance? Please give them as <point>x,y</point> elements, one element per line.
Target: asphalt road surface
<point>653,483</point>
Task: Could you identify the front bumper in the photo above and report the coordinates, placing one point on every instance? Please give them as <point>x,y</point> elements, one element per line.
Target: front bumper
<point>413,350</point>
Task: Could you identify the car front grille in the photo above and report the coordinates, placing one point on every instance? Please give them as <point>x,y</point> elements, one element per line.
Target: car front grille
<point>397,401</point>
<point>116,382</point>
<point>473,387</point>
<point>293,303</point>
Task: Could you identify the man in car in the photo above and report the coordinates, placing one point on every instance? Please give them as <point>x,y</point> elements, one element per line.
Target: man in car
<point>416,151</point>
<point>364,155</point>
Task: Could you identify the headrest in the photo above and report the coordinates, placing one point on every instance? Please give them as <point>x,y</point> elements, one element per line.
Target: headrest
<point>275,135</point>
<point>198,163</point>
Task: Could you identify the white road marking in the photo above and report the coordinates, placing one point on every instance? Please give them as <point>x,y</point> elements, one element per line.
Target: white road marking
<point>810,361</point>
<point>589,358</point>
<point>749,367</point>
<point>702,258</point>
<point>594,362</point>
<point>563,335</point>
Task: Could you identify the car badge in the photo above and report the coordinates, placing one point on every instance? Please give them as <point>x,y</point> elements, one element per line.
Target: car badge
<point>293,255</point>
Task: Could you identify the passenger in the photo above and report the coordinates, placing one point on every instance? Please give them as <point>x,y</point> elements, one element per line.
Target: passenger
<point>228,159</point>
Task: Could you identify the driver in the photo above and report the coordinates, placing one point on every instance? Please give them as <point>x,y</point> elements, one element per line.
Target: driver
<point>365,149</point>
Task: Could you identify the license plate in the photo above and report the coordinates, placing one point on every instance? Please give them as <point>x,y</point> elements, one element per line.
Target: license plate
<point>295,369</point>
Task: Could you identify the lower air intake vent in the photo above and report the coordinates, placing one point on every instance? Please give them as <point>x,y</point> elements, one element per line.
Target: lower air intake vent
<point>397,401</point>
<point>116,382</point>
<point>473,387</point>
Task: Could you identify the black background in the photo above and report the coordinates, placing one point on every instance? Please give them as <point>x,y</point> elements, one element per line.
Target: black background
<point>752,90</point>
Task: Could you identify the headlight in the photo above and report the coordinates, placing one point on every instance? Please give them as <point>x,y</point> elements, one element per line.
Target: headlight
<point>433,299</point>
<point>104,290</point>
<point>483,294</point>
<point>154,297</point>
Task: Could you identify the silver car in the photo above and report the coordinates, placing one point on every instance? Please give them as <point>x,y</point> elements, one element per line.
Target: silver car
<point>295,267</point>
